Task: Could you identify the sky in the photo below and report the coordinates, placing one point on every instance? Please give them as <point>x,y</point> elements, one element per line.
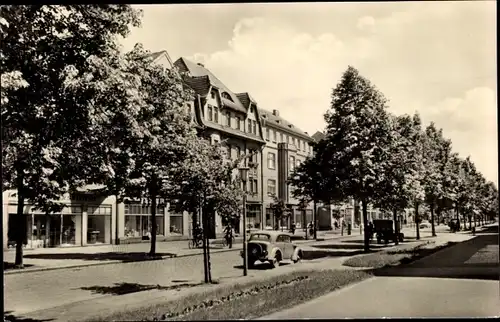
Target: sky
<point>437,58</point>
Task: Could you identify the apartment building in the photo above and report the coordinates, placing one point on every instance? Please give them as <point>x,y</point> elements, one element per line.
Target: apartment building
<point>231,118</point>
<point>286,147</point>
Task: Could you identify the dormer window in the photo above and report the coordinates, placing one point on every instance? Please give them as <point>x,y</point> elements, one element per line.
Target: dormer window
<point>226,96</point>
<point>213,94</point>
<point>290,126</point>
<point>278,121</point>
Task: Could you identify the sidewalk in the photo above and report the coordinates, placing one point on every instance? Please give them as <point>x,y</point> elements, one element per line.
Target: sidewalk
<point>43,259</point>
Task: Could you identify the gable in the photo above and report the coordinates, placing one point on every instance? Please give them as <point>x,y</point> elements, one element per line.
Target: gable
<point>164,61</point>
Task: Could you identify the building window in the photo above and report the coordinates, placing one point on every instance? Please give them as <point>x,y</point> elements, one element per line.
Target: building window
<point>271,187</point>
<point>210,113</point>
<point>293,141</point>
<point>305,147</point>
<point>254,127</point>
<point>287,139</point>
<point>298,143</point>
<point>249,129</point>
<point>269,216</point>
<point>292,163</point>
<point>274,136</point>
<point>216,115</point>
<point>281,138</point>
<point>138,220</point>
<point>238,151</point>
<point>268,134</point>
<point>297,163</point>
<point>271,160</point>
<point>229,152</point>
<point>238,123</point>
<point>254,187</point>
<point>228,119</point>
<point>98,225</point>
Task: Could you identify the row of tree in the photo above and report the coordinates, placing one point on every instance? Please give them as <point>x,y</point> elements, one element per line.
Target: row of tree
<point>77,111</point>
<point>391,162</point>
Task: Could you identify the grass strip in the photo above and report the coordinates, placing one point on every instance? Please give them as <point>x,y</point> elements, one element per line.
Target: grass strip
<point>245,301</point>
<point>395,257</point>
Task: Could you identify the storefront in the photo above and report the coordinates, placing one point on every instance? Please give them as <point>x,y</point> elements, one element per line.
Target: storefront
<point>253,215</point>
<point>138,221</point>
<point>54,230</point>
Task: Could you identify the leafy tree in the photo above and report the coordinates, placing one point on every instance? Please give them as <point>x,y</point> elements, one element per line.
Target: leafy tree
<point>401,178</point>
<point>357,134</point>
<point>279,209</point>
<point>208,185</point>
<point>437,151</point>
<point>316,182</point>
<point>42,123</point>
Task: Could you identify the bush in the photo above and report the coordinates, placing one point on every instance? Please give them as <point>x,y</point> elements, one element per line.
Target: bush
<point>249,300</point>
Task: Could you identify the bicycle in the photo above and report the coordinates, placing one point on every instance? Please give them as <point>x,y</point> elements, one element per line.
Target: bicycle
<point>195,243</point>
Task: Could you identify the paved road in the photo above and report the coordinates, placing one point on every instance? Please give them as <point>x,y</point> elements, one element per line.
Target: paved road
<point>29,292</point>
<point>461,281</point>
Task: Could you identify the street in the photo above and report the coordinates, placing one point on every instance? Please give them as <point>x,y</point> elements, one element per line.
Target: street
<point>459,281</point>
<point>41,290</point>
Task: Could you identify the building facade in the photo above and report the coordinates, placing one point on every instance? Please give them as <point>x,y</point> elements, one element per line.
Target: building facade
<point>233,119</point>
<point>286,147</point>
<point>276,147</point>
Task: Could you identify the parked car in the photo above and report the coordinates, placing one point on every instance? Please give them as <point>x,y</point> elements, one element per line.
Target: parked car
<point>272,247</point>
<point>425,224</point>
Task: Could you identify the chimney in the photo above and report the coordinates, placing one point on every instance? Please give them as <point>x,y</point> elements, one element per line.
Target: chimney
<point>276,113</point>
<point>200,64</point>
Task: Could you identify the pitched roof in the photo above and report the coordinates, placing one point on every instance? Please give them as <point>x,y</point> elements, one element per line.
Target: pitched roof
<point>318,136</point>
<point>158,54</point>
<point>198,70</point>
<point>281,123</point>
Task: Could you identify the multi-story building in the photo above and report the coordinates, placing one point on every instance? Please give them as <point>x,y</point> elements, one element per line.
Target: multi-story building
<point>232,118</point>
<point>276,146</point>
<point>286,147</point>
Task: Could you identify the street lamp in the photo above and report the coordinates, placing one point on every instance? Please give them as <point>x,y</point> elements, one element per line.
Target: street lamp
<point>244,177</point>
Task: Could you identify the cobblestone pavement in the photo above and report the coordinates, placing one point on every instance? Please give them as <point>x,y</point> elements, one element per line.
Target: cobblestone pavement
<point>34,291</point>
<point>38,258</point>
<point>45,290</point>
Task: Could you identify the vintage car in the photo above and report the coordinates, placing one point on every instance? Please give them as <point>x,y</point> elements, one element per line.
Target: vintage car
<point>272,247</point>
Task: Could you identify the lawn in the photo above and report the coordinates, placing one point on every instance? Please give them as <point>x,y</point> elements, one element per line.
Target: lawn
<point>395,257</point>
<point>245,301</point>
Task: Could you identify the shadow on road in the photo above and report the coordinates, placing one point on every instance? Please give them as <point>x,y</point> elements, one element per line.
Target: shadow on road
<point>260,266</point>
<point>9,317</point>
<point>316,254</point>
<point>124,257</point>
<point>351,245</point>
<point>9,265</point>
<point>128,288</point>
<point>476,258</point>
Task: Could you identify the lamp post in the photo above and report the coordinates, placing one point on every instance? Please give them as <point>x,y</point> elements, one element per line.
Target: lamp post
<point>244,176</point>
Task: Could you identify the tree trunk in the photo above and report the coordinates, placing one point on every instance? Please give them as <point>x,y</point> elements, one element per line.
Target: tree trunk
<point>365,224</point>
<point>433,226</point>
<point>202,215</point>
<point>20,224</point>
<point>465,220</point>
<point>417,219</point>
<point>457,213</point>
<point>153,192</point>
<point>396,226</point>
<point>470,222</point>
<point>315,225</point>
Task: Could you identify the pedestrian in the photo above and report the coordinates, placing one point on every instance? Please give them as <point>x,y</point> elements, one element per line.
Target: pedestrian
<point>293,228</point>
<point>228,235</point>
